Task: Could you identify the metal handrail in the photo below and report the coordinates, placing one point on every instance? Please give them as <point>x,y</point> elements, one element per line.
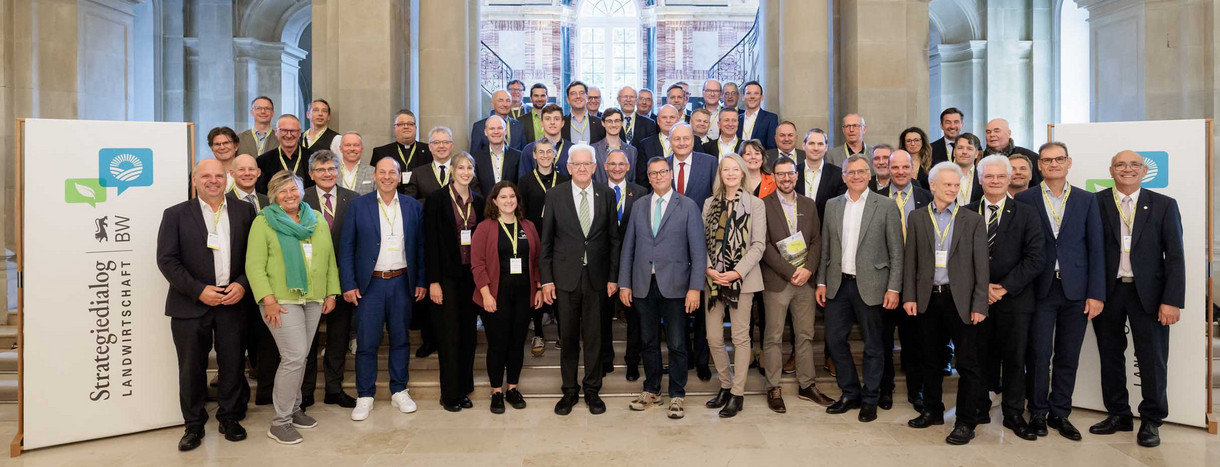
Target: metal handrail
<point>494,72</point>
<point>738,64</point>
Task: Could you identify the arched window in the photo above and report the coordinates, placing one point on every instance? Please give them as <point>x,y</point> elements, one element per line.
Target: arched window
<point>608,43</point>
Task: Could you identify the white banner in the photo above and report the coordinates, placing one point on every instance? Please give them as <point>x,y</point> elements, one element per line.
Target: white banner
<point>1176,155</point>
<point>99,357</point>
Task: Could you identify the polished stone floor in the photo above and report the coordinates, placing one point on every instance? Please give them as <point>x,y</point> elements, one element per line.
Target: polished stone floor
<point>805,436</point>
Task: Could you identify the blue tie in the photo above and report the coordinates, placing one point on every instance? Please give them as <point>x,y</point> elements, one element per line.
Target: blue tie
<point>656,215</point>
<point>618,197</point>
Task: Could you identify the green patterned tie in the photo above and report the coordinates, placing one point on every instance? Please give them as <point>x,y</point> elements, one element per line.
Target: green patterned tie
<point>585,219</point>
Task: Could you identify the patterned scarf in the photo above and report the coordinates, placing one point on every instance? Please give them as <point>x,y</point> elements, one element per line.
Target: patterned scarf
<point>727,230</point>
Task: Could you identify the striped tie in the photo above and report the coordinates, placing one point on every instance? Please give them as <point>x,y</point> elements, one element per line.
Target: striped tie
<point>993,225</point>
<point>586,221</point>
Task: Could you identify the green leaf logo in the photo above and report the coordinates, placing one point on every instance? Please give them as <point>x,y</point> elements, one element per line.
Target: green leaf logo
<point>84,190</point>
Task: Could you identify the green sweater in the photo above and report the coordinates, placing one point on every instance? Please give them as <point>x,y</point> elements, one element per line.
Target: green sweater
<point>265,265</point>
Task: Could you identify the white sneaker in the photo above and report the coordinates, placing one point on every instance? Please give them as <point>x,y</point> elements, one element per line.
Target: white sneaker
<point>352,346</point>
<point>364,405</point>
<point>402,401</point>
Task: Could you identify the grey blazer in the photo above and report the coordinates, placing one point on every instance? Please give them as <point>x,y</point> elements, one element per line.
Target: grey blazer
<point>878,254</point>
<point>248,144</point>
<point>968,270</point>
<point>748,266</point>
<point>601,150</point>
<point>678,249</point>
<point>838,155</point>
<point>364,183</point>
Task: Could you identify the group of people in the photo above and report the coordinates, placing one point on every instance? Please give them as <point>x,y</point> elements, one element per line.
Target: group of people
<point>680,222</point>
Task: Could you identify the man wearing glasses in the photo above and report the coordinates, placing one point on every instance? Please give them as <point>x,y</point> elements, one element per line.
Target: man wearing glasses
<point>259,139</point>
<point>409,152</point>
<point>287,156</point>
<point>853,136</point>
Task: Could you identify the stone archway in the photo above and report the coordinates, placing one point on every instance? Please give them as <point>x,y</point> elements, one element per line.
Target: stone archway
<point>956,49</point>
<point>266,53</point>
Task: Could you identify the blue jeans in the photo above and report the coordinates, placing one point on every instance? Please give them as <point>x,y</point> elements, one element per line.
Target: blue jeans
<point>652,310</point>
<point>386,304</point>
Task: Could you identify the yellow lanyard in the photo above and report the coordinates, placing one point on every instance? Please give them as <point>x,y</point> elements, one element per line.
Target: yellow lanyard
<point>630,125</point>
<point>558,152</point>
<point>437,173</point>
<point>349,182</point>
<point>406,161</point>
<point>543,185</point>
<point>941,236</point>
<point>748,132</point>
<point>261,141</point>
<point>967,187</point>
<point>508,132</point>
<point>285,164</point>
<point>665,145</point>
<point>1128,220</point>
<point>388,219</point>
<point>583,127</point>
<point>999,208</point>
<point>809,179</point>
<point>465,215</point>
<point>309,144</point>
<point>730,149</point>
<point>512,238</point>
<point>216,217</point>
<point>621,199</point>
<point>788,217</point>
<point>326,210</point>
<point>1055,214</point>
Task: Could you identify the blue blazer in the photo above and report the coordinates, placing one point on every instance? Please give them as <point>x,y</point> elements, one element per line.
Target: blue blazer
<point>764,128</point>
<point>646,149</point>
<point>516,135</point>
<point>360,242</point>
<point>527,159</point>
<point>1080,248</point>
<point>703,172</point>
<point>678,250</point>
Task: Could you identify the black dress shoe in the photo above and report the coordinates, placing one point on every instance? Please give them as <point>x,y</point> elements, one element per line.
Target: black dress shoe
<point>466,403</point>
<point>596,406</point>
<point>926,419</point>
<point>842,406</point>
<point>633,372</point>
<point>452,406</point>
<point>233,431</point>
<point>1149,435</point>
<point>703,373</point>
<point>607,369</point>
<point>720,400</point>
<point>868,412</point>
<point>1020,428</point>
<point>191,439</point>
<point>497,402</point>
<point>735,405</point>
<point>425,350</point>
<point>1037,424</point>
<point>984,418</point>
<point>886,401</point>
<point>515,399</point>
<point>341,399</point>
<point>306,401</point>
<point>917,403</point>
<point>1112,424</point>
<point>962,434</point>
<point>564,406</point>
<point>260,400</point>
<point>1066,429</point>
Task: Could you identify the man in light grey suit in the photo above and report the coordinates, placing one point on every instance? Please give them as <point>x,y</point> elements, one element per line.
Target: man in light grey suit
<point>354,175</point>
<point>861,273</point>
<point>853,141</point>
<point>662,266</point>
<point>945,279</point>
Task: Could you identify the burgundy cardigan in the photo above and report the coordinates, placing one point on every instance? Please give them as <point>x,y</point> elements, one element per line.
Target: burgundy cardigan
<point>485,257</point>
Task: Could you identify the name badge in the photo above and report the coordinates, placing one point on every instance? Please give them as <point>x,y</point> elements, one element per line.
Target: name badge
<point>942,258</point>
<point>465,237</point>
<point>214,240</point>
<point>395,243</point>
<point>1126,243</point>
<point>514,266</point>
<point>406,178</point>
<point>308,248</point>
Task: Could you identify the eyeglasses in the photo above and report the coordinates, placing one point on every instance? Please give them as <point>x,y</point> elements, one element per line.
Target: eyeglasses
<point>854,126</point>
<point>581,165</point>
<point>285,131</point>
<point>658,173</point>
<point>325,170</point>
<point>403,124</point>
<point>914,140</point>
<point>263,109</point>
<point>616,164</point>
<point>1128,165</point>
<point>857,173</point>
<point>217,144</point>
<point>786,174</point>
<point>1055,160</point>
<point>614,121</point>
<point>441,142</point>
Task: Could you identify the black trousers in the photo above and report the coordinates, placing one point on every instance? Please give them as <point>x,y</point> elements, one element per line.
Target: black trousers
<point>580,320</point>
<point>338,333</point>
<point>842,312</point>
<point>939,324</point>
<point>456,328</point>
<point>423,319</point>
<point>631,356</point>
<point>908,335</point>
<point>1151,340</point>
<point>506,329</point>
<point>1003,356</point>
<point>697,352</point>
<point>223,326</point>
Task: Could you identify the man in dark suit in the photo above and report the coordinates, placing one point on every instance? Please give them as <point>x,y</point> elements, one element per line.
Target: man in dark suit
<point>644,104</point>
<point>908,197</point>
<point>792,254</point>
<point>757,123</point>
<point>287,156</point>
<point>999,141</point>
<point>625,195</point>
<point>860,275</point>
<point>662,273</point>
<point>516,88</point>
<point>657,145</point>
<point>431,177</point>
<point>381,272</point>
<point>951,126</point>
<point>694,173</point>
<point>881,167</point>
<point>817,178</point>
<point>320,135</point>
<point>409,152</point>
<point>1146,287</point>
<point>552,123</point>
<point>1014,245</point>
<point>531,124</point>
<point>727,142</point>
<point>533,188</point>
<point>636,126</point>
<point>966,155</point>
<point>785,145</point>
<point>580,246</point>
<point>201,251</point>
<point>495,162</point>
<point>944,283</point>
<point>579,126</point>
<point>1070,290</point>
<point>245,173</point>
<point>514,132</point>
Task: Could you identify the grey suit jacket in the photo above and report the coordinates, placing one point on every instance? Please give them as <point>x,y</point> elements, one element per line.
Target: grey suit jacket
<point>967,267</point>
<point>748,267</point>
<point>363,183</point>
<point>878,254</point>
<point>678,249</point>
<point>248,144</point>
<point>838,155</point>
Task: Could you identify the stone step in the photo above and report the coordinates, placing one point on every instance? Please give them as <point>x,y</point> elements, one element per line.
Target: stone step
<point>8,336</point>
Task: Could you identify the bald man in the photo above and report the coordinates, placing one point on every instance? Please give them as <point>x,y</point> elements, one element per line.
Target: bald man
<point>514,131</point>
<point>999,141</point>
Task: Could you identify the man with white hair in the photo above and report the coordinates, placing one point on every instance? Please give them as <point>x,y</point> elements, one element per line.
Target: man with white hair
<point>636,126</point>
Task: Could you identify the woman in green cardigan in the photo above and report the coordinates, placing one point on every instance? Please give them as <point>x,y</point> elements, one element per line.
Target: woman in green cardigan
<point>292,271</point>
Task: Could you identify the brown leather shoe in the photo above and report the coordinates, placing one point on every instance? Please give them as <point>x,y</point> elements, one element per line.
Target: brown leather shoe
<point>775,400</point>
<point>812,394</point>
<point>790,365</point>
<point>830,367</point>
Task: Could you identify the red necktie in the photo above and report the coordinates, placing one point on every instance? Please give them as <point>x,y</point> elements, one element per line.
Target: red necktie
<point>682,178</point>
<point>328,212</point>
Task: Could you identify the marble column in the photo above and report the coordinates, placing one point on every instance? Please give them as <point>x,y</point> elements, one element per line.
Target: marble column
<point>802,84</point>
<point>361,64</point>
<point>214,81</point>
<point>963,74</point>
<point>882,66</point>
<point>448,69</point>
<point>256,73</point>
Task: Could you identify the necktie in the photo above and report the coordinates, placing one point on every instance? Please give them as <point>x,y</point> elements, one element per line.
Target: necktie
<point>682,178</point>
<point>1124,257</point>
<point>329,211</point>
<point>902,203</point>
<point>630,130</point>
<point>993,225</point>
<point>618,198</point>
<point>442,175</point>
<point>656,215</point>
<point>586,221</point>
<point>250,198</point>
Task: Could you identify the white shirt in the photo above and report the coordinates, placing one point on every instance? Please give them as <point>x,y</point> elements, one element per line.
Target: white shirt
<point>966,190</point>
<point>242,196</point>
<point>726,149</point>
<point>346,175</point>
<point>497,163</point>
<point>999,213</point>
<point>813,179</point>
<point>576,190</point>
<point>388,259</point>
<point>219,225</point>
<point>747,125</point>
<point>1135,202</point>
<point>664,144</point>
<point>436,171</point>
<point>685,171</point>
<point>853,214</point>
<point>665,199</point>
<point>713,132</point>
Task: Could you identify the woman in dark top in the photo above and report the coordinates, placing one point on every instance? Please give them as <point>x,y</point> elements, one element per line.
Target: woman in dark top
<point>533,188</point>
<point>451,214</point>
<point>504,262</point>
<point>915,142</point>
